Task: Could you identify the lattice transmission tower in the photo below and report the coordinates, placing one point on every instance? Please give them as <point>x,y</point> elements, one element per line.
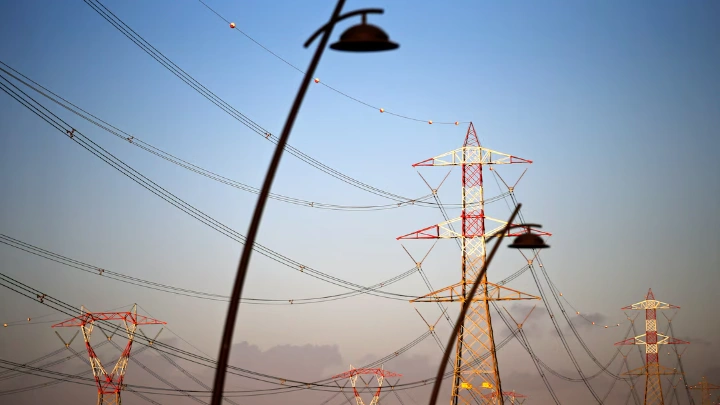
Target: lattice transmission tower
<point>354,373</point>
<point>652,370</point>
<point>109,385</point>
<point>705,388</point>
<point>472,372</point>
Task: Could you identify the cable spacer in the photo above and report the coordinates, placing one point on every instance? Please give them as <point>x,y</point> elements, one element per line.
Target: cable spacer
<point>130,138</point>
<point>302,268</point>
<point>71,133</point>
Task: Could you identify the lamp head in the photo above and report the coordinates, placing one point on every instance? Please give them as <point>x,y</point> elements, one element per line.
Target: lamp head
<point>364,38</point>
<point>529,240</point>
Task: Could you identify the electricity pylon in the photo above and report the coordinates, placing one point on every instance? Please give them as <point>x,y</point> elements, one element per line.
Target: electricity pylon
<point>472,372</point>
<point>705,388</point>
<point>380,373</point>
<point>110,384</point>
<point>652,370</point>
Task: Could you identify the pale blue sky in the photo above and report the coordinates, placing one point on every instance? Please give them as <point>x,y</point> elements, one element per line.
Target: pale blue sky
<point>616,103</point>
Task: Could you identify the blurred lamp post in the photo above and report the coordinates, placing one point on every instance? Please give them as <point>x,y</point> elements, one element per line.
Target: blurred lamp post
<point>359,38</point>
<point>526,240</point>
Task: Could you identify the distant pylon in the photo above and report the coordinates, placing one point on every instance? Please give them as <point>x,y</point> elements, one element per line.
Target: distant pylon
<point>353,375</point>
<point>705,388</point>
<point>472,371</point>
<point>652,369</point>
<point>515,398</point>
<point>110,384</point>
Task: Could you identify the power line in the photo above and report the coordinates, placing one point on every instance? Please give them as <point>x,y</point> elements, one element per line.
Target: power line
<point>287,385</point>
<point>134,175</point>
<point>95,270</point>
<point>116,22</point>
<point>92,147</point>
<point>137,142</point>
<point>376,108</point>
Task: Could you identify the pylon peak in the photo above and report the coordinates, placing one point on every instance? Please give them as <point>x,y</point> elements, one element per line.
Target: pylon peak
<point>471,138</point>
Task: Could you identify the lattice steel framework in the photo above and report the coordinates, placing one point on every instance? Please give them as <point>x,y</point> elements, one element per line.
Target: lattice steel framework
<point>652,370</point>
<point>514,397</point>
<point>705,388</point>
<point>110,384</point>
<point>472,373</point>
<point>353,375</point>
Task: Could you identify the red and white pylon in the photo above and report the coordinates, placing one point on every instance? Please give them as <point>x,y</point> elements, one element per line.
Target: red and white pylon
<point>353,375</point>
<point>110,384</point>
<point>652,339</point>
<point>473,371</point>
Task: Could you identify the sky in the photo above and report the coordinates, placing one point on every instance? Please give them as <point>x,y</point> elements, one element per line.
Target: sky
<point>615,103</point>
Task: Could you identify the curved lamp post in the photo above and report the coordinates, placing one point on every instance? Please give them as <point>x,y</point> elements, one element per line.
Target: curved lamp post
<point>359,38</point>
<point>524,241</point>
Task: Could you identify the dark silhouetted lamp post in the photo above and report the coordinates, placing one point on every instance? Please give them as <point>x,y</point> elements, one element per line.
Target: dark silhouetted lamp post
<point>359,38</point>
<point>526,240</point>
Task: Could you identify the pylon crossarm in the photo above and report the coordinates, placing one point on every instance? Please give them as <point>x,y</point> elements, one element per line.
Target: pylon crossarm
<point>661,340</point>
<point>495,294</point>
<point>442,230</point>
<point>109,316</point>
<point>650,304</point>
<point>666,340</point>
<point>704,385</point>
<point>446,230</point>
<point>447,294</point>
<point>371,371</point>
<point>632,341</point>
<point>652,368</point>
<point>467,155</point>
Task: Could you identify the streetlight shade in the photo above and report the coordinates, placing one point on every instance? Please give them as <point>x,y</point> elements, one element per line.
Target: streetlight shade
<point>364,38</point>
<point>529,241</point>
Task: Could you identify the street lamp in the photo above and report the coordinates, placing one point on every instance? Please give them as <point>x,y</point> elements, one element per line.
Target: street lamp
<point>526,240</point>
<point>359,38</point>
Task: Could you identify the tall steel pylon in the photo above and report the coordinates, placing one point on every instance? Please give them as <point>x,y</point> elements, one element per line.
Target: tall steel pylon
<point>705,388</point>
<point>110,384</point>
<point>472,373</point>
<point>652,370</point>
